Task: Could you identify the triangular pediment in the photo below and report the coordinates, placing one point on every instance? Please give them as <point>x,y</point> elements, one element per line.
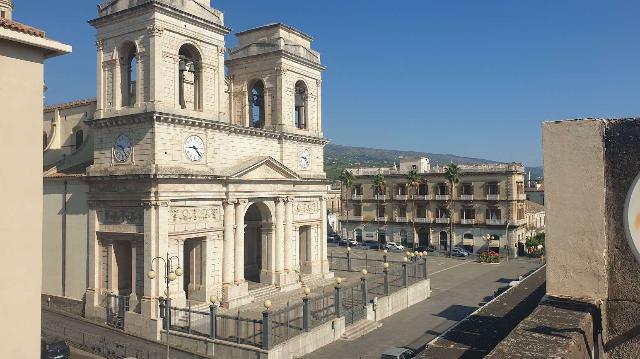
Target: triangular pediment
<point>264,168</point>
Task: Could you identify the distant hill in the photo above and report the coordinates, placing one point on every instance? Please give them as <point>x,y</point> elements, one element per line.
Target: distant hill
<point>339,157</point>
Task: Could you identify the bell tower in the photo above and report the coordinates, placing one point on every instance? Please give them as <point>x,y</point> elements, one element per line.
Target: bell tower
<point>6,9</point>
<point>160,56</point>
<point>275,81</point>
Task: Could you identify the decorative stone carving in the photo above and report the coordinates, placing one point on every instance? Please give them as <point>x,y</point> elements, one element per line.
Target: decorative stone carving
<point>306,207</point>
<point>120,216</point>
<point>185,215</point>
<point>99,45</point>
<point>155,30</point>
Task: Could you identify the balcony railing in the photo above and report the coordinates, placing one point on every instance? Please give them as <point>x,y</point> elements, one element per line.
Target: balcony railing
<point>442,197</point>
<point>442,220</point>
<point>467,221</point>
<point>402,219</point>
<point>522,196</point>
<point>356,197</point>
<point>402,197</point>
<point>381,219</point>
<point>423,220</point>
<point>521,222</point>
<point>380,197</point>
<point>466,197</point>
<point>493,197</point>
<point>356,218</point>
<point>495,222</point>
<point>423,197</point>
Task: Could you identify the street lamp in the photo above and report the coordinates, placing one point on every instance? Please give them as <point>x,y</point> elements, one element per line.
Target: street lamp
<point>169,276</point>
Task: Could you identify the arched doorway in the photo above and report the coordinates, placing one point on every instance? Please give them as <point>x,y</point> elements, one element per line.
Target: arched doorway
<point>257,220</point>
<point>304,248</point>
<point>423,237</point>
<point>444,242</point>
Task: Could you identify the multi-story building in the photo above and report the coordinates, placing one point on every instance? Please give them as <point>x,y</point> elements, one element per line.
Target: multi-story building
<point>489,199</point>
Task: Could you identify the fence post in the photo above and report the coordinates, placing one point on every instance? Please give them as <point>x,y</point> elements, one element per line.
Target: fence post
<point>365,290</point>
<point>348,259</point>
<point>306,314</point>
<point>338,301</point>
<point>189,318</point>
<point>424,269</point>
<point>405,279</point>
<point>213,312</point>
<point>168,315</point>
<point>266,330</point>
<point>386,281</point>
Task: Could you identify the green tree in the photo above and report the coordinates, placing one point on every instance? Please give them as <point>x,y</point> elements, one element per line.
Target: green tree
<point>452,173</point>
<point>379,188</point>
<point>414,180</point>
<point>347,179</point>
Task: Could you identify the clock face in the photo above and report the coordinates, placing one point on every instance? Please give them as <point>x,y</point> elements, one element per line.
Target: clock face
<point>122,148</point>
<point>194,148</point>
<point>305,159</point>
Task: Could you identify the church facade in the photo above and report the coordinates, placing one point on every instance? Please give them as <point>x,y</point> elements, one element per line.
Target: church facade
<point>214,162</point>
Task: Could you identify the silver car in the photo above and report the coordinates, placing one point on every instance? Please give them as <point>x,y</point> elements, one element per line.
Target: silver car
<point>398,353</point>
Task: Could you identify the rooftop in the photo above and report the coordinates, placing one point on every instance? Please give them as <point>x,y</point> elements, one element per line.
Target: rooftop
<point>277,24</point>
<point>16,26</point>
<point>67,105</point>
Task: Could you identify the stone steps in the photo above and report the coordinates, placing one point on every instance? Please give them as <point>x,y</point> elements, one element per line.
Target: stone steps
<point>263,293</point>
<point>359,329</point>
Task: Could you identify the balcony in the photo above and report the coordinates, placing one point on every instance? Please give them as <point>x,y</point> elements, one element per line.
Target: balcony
<point>466,197</point>
<point>355,218</point>
<point>402,219</point>
<point>380,197</point>
<point>381,219</point>
<point>520,222</point>
<point>442,197</point>
<point>423,220</point>
<point>356,197</point>
<point>467,221</point>
<point>522,196</point>
<point>423,197</point>
<point>442,220</point>
<point>494,222</point>
<point>401,197</point>
<point>493,197</point>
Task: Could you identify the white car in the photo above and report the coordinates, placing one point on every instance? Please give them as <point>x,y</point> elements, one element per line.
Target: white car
<point>394,246</point>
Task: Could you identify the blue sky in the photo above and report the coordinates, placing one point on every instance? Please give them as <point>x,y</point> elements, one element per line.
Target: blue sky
<point>472,77</point>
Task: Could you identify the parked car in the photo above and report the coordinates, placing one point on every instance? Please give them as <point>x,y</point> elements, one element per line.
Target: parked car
<point>428,248</point>
<point>459,252</point>
<point>373,245</point>
<point>393,246</point>
<point>54,348</point>
<point>349,243</point>
<point>398,353</point>
<point>333,237</point>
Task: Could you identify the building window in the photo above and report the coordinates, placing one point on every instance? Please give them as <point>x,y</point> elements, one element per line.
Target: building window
<point>256,105</point>
<point>357,190</point>
<point>404,238</point>
<point>467,189</point>
<point>382,236</point>
<point>521,214</point>
<point>357,210</point>
<point>444,242</point>
<point>402,211</point>
<point>493,189</point>
<point>190,86</point>
<point>402,189</point>
<point>468,213</point>
<point>423,190</point>
<point>3,15</point>
<point>494,214</point>
<point>443,189</point>
<point>442,212</point>
<point>381,211</point>
<point>45,140</point>
<point>520,187</point>
<point>358,235</point>
<point>79,138</point>
<point>301,105</point>
<point>129,74</point>
<point>421,211</point>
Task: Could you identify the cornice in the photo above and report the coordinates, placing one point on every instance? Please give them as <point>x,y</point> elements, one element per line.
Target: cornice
<point>282,53</point>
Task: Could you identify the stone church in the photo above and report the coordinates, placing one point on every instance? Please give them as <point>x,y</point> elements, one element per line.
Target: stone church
<point>210,156</point>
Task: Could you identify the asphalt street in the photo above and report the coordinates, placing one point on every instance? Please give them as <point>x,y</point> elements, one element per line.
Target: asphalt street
<point>459,287</point>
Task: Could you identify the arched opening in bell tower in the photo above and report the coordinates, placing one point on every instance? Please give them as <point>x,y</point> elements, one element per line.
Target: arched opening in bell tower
<point>256,105</point>
<point>190,78</point>
<point>129,74</point>
<point>300,115</point>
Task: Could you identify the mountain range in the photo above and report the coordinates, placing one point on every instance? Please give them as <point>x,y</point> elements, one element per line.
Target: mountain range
<point>339,157</point>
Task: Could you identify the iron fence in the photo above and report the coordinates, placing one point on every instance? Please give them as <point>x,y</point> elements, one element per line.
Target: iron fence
<point>287,323</point>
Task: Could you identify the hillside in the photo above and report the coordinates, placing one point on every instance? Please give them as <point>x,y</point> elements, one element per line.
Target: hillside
<point>338,157</point>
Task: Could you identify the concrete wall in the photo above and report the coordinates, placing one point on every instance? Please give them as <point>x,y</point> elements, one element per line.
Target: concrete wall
<point>400,300</point>
<point>64,238</point>
<point>590,166</point>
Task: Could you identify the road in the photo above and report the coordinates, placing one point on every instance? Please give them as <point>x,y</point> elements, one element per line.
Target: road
<point>459,287</point>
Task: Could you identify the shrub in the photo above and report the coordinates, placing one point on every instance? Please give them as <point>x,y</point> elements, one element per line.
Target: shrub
<point>489,257</point>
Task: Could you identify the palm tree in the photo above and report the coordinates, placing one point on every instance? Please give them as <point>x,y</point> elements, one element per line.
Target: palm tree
<point>347,179</point>
<point>379,187</point>
<point>452,173</point>
<point>413,178</point>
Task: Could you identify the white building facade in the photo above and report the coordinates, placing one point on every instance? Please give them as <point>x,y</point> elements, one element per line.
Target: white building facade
<point>224,174</point>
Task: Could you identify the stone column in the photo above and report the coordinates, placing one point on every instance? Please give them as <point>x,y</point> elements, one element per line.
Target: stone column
<point>279,245</point>
<point>288,234</point>
<point>323,236</point>
<point>239,239</point>
<point>133,298</point>
<point>227,248</point>
<point>93,249</point>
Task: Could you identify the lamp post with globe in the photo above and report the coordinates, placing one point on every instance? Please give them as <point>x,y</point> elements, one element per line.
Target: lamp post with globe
<point>169,276</point>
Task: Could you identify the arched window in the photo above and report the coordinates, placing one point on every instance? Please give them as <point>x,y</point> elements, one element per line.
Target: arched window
<point>79,138</point>
<point>189,77</point>
<point>300,115</point>
<point>256,105</point>
<point>45,140</point>
<point>129,74</point>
